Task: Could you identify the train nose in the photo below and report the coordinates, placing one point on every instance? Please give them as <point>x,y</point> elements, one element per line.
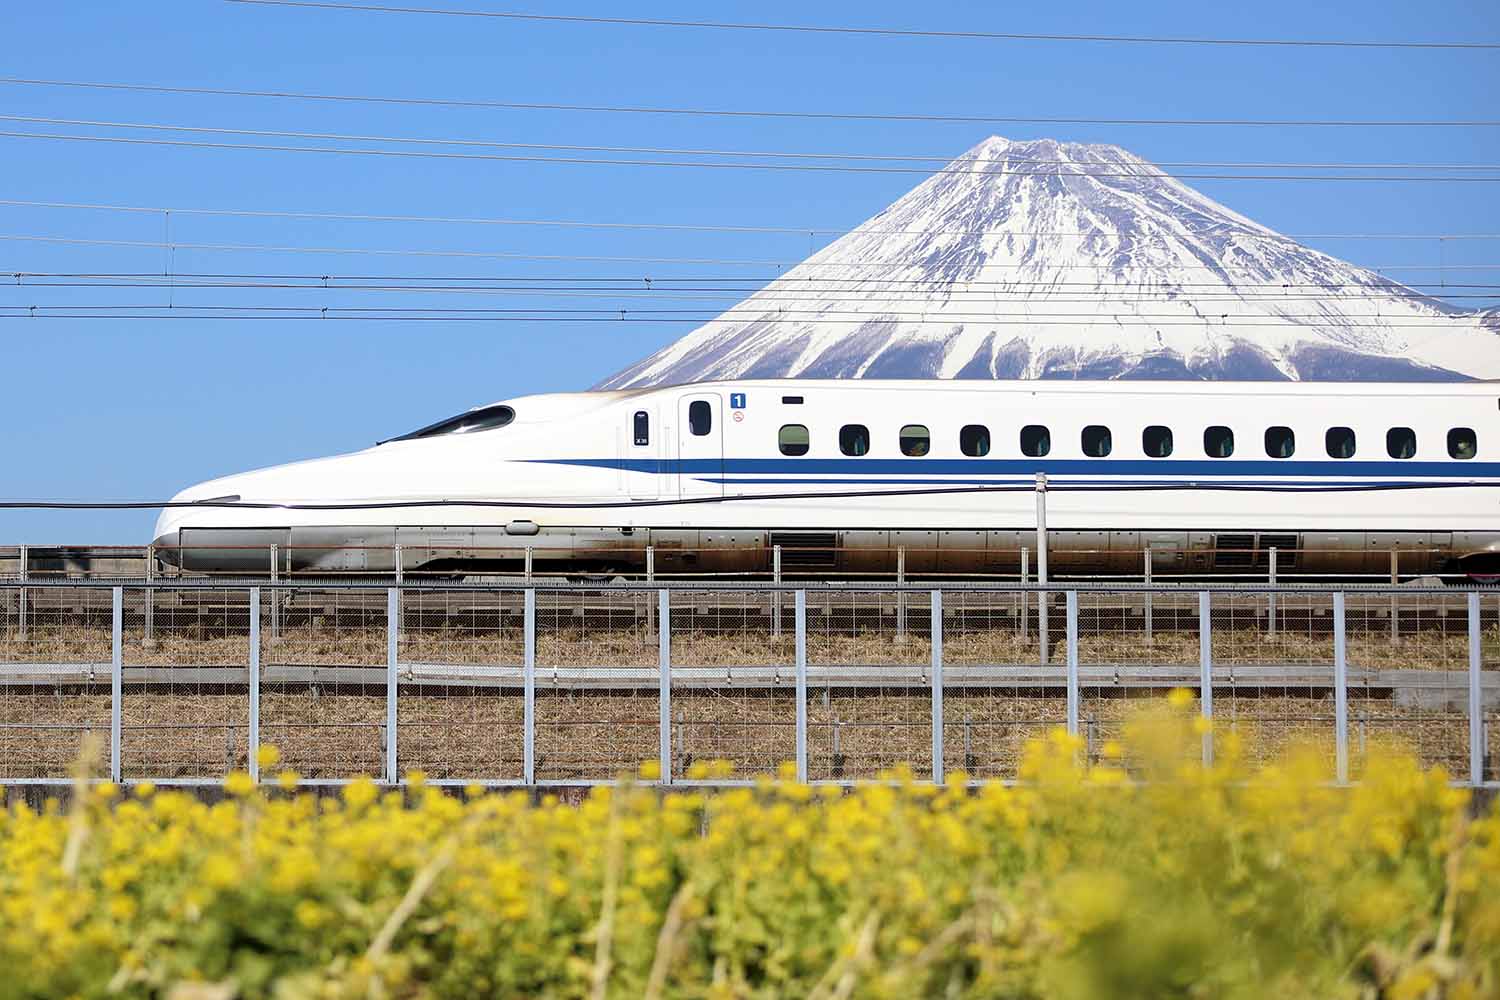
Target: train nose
<point>205,504</point>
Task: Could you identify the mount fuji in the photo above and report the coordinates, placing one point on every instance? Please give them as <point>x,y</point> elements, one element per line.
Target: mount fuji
<point>1044,259</point>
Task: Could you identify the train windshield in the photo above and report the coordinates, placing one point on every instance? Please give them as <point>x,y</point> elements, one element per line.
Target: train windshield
<point>485,418</point>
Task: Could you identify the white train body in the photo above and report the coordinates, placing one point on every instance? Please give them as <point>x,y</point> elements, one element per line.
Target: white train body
<point>713,475</point>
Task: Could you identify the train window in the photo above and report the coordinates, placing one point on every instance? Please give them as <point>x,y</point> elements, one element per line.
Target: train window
<point>1218,442</point>
<point>1462,443</point>
<point>1401,442</point>
<point>915,440</point>
<point>854,439</point>
<point>485,418</point>
<point>1340,442</point>
<point>1097,442</point>
<point>700,417</point>
<point>1036,440</point>
<point>974,440</point>
<point>642,427</point>
<point>793,439</point>
<point>1156,441</point>
<point>1280,442</point>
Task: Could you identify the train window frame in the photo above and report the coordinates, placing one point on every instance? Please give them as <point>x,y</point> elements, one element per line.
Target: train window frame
<point>1463,443</point>
<point>1102,444</point>
<point>1395,436</point>
<point>851,436</point>
<point>1340,435</point>
<point>1163,434</point>
<point>700,415</point>
<point>915,440</point>
<point>1221,434</point>
<point>790,447</point>
<point>1281,442</point>
<point>974,440</point>
<point>481,418</point>
<point>640,428</point>
<point>1036,440</point>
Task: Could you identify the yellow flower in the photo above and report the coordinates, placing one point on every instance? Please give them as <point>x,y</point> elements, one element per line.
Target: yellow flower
<point>360,793</point>
<point>288,780</point>
<point>267,756</point>
<point>239,783</point>
<point>145,790</point>
<point>1180,698</point>
<point>650,770</point>
<point>106,790</point>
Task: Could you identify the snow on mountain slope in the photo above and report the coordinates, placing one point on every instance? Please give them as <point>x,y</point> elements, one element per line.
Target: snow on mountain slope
<point>1009,264</point>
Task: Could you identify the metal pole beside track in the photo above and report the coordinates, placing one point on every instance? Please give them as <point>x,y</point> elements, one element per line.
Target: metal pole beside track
<point>1395,611</point>
<point>1072,628</point>
<point>799,623</point>
<point>937,687</point>
<point>650,578</point>
<point>399,564</point>
<point>254,683</point>
<point>392,646</point>
<point>1476,697</point>
<point>1206,672</point>
<point>1271,597</point>
<point>149,597</point>
<point>1340,694</point>
<point>25,567</point>
<point>1025,597</point>
<point>664,661</point>
<point>900,594</point>
<point>1148,609</point>
<point>275,595</point>
<point>116,663</point>
<point>776,594</point>
<point>528,690</point>
<point>1041,563</point>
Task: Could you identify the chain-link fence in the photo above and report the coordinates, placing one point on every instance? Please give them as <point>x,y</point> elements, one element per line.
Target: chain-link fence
<point>577,684</point>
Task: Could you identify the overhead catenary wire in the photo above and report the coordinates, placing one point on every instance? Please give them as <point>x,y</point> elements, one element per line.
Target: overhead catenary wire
<point>712,164</point>
<point>617,259</point>
<point>970,35</point>
<point>750,113</point>
<point>1147,168</point>
<point>1238,230</point>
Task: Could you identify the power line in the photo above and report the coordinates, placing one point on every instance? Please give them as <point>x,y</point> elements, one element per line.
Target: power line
<point>1148,168</point>
<point>731,113</point>
<point>1008,36</point>
<point>603,259</point>
<point>815,167</point>
<point>1237,231</point>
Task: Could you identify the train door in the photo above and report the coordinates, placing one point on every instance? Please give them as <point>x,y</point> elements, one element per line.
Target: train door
<point>643,449</point>
<point>700,446</point>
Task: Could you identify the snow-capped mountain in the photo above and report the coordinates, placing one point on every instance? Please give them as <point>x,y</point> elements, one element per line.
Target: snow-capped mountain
<point>1063,260</point>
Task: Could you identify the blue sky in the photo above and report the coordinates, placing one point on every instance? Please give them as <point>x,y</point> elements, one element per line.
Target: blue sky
<point>135,409</point>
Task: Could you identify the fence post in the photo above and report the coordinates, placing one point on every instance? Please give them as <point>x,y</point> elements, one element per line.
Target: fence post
<point>1340,694</point>
<point>937,687</point>
<point>776,596</point>
<point>275,594</point>
<point>528,689</point>
<point>25,559</point>
<point>1271,597</point>
<point>1206,671</point>
<point>1395,611</point>
<point>116,686</point>
<point>149,598</point>
<point>1041,563</point>
<point>900,594</point>
<point>392,643</point>
<point>399,562</point>
<point>1025,597</point>
<point>1476,697</point>
<point>650,578</point>
<point>664,661</point>
<point>1148,608</point>
<point>1072,612</point>
<point>527,571</point>
<point>799,623</point>
<point>253,685</point>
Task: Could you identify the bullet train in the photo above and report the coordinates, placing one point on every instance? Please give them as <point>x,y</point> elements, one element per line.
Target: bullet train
<point>839,475</point>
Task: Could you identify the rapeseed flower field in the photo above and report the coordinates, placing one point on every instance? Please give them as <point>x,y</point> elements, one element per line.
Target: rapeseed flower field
<point>1147,876</point>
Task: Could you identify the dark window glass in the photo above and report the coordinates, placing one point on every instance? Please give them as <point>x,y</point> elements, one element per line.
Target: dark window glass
<point>854,439</point>
<point>1462,443</point>
<point>1280,442</point>
<point>642,427</point>
<point>792,400</point>
<point>1156,441</point>
<point>1401,442</point>
<point>1218,442</point>
<point>1036,441</point>
<point>1340,442</point>
<point>1096,440</point>
<point>792,439</point>
<point>700,417</point>
<point>486,418</point>
<point>915,440</point>
<point>974,440</point>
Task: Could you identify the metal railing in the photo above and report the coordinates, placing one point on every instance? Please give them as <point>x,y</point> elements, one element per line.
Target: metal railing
<point>564,684</point>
